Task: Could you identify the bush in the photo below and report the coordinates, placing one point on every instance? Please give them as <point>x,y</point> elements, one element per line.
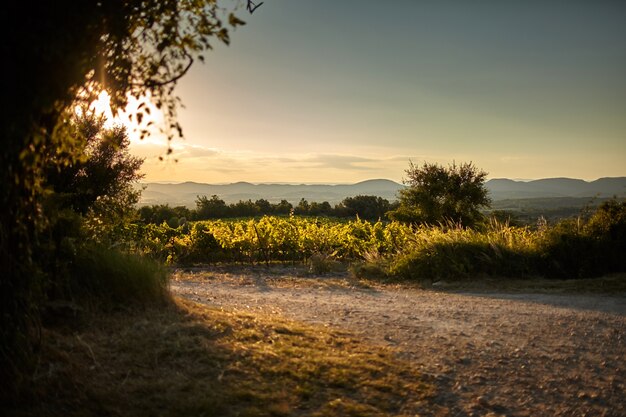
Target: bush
<point>464,259</point>
<point>437,194</point>
<point>108,276</point>
<point>573,249</point>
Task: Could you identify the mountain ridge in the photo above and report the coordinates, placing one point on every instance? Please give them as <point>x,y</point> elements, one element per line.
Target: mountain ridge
<point>186,193</point>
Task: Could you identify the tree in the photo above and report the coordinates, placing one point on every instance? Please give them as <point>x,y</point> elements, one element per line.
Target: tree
<point>244,208</point>
<point>284,207</point>
<point>438,194</point>
<point>159,213</point>
<point>263,206</point>
<point>102,175</point>
<point>211,208</point>
<point>367,207</point>
<point>303,207</point>
<point>61,53</point>
<point>320,209</point>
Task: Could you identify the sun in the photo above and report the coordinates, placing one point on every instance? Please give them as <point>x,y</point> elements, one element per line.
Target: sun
<point>140,114</point>
<point>102,106</point>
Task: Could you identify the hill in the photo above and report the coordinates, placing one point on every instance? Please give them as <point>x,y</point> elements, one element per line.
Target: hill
<point>185,194</point>
<point>501,189</point>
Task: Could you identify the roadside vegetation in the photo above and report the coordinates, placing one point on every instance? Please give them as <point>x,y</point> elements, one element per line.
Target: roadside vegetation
<point>569,249</point>
<point>438,233</point>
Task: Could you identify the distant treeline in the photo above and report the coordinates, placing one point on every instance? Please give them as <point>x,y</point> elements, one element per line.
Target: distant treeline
<point>366,207</point>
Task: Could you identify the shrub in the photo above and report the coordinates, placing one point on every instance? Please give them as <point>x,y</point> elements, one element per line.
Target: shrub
<point>573,249</point>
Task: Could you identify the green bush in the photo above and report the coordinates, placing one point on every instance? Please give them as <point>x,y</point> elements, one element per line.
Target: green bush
<point>108,276</point>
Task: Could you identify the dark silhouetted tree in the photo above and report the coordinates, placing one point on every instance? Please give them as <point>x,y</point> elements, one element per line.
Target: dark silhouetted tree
<point>367,207</point>
<point>263,206</point>
<point>303,207</point>
<point>62,53</point>
<point>103,175</point>
<point>157,214</point>
<point>211,208</point>
<point>284,207</point>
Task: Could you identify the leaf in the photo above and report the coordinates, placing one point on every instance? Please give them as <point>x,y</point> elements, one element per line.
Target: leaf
<point>234,21</point>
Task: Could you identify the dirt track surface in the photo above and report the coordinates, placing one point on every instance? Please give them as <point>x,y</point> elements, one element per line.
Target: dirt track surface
<point>489,354</point>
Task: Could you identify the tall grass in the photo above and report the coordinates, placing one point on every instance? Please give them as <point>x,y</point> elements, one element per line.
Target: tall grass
<point>569,249</point>
<point>455,253</point>
<point>111,277</point>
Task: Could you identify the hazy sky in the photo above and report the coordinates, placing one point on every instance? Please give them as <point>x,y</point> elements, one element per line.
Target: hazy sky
<point>343,91</point>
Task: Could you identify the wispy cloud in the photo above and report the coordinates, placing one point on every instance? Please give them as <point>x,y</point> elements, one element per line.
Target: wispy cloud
<point>341,162</point>
<point>195,151</point>
<point>199,163</point>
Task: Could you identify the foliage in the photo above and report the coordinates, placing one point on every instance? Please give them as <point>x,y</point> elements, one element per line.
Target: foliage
<point>213,208</point>
<point>569,249</point>
<point>578,249</point>
<point>364,206</point>
<point>160,213</point>
<point>437,195</point>
<point>367,207</point>
<point>63,53</point>
<point>266,239</point>
<point>456,253</point>
<point>102,167</point>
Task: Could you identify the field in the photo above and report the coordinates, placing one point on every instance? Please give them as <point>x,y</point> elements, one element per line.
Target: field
<point>575,248</point>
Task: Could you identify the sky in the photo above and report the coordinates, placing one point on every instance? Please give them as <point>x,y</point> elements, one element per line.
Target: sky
<point>320,91</point>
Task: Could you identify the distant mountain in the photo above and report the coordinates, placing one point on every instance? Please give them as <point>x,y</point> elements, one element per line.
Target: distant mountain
<point>185,194</point>
<point>501,189</point>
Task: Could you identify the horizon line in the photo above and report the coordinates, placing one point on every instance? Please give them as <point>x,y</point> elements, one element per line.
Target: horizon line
<point>358,182</point>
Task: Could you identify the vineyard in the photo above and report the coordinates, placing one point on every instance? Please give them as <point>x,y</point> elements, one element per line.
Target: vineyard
<point>267,239</point>
<point>568,249</point>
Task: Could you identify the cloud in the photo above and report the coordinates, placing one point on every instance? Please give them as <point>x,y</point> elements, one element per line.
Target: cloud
<point>342,162</point>
<point>195,151</point>
<point>198,163</point>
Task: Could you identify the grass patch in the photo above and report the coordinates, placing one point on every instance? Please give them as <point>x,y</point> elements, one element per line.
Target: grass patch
<point>188,359</point>
<point>108,276</point>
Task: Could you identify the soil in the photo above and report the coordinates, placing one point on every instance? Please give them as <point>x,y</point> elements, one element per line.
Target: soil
<point>488,353</point>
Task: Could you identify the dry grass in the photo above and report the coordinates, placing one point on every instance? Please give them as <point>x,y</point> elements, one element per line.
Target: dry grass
<point>188,359</point>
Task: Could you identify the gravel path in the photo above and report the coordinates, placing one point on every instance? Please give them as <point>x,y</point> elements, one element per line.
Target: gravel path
<point>488,354</point>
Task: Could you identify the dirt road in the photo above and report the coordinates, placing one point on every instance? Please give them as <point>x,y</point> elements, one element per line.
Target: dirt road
<point>488,354</point>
